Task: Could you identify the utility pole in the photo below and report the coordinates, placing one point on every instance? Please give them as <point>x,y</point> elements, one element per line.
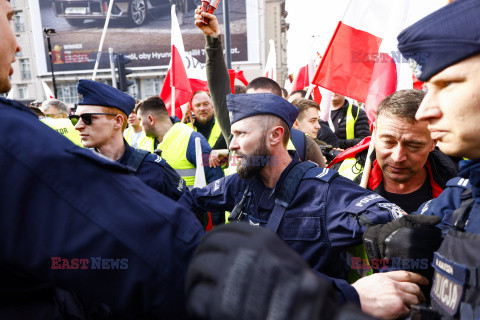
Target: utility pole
<point>48,32</point>
<point>226,23</point>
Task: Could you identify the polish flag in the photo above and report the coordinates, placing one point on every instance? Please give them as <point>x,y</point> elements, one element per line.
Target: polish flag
<point>48,92</point>
<point>362,60</point>
<point>185,74</point>
<point>271,65</point>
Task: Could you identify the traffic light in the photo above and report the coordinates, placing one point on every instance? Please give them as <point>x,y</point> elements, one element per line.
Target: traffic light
<point>120,62</point>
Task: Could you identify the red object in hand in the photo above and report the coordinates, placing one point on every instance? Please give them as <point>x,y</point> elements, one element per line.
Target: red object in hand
<point>205,5</point>
<point>213,5</point>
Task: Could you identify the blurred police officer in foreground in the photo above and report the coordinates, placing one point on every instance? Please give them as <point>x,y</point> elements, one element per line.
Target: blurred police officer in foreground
<point>101,118</point>
<point>316,211</point>
<point>446,46</point>
<point>61,203</point>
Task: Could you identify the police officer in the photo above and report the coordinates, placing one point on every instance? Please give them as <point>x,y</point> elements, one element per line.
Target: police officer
<point>446,47</point>
<point>317,212</point>
<point>101,118</point>
<point>59,201</point>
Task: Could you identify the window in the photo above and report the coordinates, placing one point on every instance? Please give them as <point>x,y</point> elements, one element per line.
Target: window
<point>25,68</point>
<point>22,91</point>
<point>19,21</point>
<point>19,53</point>
<point>133,89</point>
<point>12,2</point>
<point>67,92</point>
<point>152,87</point>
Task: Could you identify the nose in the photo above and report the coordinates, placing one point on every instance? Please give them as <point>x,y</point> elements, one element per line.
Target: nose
<point>428,109</point>
<point>317,125</point>
<point>18,47</point>
<point>398,154</point>
<point>234,144</point>
<point>80,125</point>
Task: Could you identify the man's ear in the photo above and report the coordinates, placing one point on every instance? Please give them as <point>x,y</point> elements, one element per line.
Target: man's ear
<point>119,121</point>
<point>276,135</point>
<point>295,125</point>
<point>151,119</point>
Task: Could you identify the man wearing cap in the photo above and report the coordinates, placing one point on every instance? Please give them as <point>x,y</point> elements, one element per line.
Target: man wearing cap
<point>317,212</point>
<point>82,237</point>
<point>101,117</point>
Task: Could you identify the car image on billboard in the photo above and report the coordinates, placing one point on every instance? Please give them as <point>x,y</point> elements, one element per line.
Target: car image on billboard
<point>136,12</point>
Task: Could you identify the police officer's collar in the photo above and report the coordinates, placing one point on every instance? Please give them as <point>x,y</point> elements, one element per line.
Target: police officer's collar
<point>126,154</point>
<point>284,174</point>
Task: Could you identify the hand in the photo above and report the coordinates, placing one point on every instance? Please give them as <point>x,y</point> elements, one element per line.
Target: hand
<point>187,115</point>
<point>210,29</point>
<point>389,295</point>
<point>216,157</point>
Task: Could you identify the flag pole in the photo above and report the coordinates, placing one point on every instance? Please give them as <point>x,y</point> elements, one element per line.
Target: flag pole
<point>368,163</point>
<point>104,33</point>
<point>172,107</point>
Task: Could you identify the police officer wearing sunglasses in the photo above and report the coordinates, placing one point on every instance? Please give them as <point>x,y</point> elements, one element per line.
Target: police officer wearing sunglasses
<point>101,117</point>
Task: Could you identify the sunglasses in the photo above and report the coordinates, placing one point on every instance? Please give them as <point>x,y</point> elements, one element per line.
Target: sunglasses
<point>86,117</point>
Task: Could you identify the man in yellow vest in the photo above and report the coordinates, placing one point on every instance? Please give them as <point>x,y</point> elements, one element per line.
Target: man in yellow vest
<point>205,121</point>
<point>175,140</point>
<point>56,113</point>
<point>134,134</point>
<point>349,122</point>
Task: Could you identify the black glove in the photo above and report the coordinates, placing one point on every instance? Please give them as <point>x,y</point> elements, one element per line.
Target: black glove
<point>245,272</point>
<point>408,243</point>
<point>410,237</point>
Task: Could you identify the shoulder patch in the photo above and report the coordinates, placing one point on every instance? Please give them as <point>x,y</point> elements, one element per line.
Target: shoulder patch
<point>395,211</point>
<point>458,182</point>
<point>324,174</point>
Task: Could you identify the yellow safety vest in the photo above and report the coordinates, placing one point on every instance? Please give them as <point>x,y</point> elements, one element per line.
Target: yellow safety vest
<point>174,151</point>
<point>351,121</point>
<point>147,143</point>
<point>64,127</point>
<point>350,168</point>
<point>128,134</point>
<point>214,134</point>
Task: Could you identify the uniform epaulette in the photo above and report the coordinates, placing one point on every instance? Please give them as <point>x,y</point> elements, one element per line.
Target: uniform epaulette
<point>323,174</point>
<point>458,182</point>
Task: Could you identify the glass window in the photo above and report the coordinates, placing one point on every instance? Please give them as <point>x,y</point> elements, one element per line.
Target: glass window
<point>25,68</point>
<point>19,53</point>
<point>133,90</point>
<point>67,92</point>
<point>152,87</point>
<point>22,91</point>
<point>19,21</point>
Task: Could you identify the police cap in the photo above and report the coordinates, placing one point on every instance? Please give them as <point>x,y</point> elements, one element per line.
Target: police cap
<point>95,93</point>
<point>242,106</point>
<point>443,38</point>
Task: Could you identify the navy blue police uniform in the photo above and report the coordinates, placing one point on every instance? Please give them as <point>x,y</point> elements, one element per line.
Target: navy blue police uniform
<point>326,213</point>
<point>60,201</point>
<point>150,168</point>
<point>443,38</point>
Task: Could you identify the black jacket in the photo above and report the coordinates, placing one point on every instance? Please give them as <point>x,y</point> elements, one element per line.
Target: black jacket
<point>362,128</point>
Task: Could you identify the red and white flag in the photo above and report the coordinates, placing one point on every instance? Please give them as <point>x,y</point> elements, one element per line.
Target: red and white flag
<point>362,60</point>
<point>271,64</point>
<point>48,92</point>
<point>185,74</point>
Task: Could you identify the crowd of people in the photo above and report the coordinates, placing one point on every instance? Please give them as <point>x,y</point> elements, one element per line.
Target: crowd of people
<point>103,215</point>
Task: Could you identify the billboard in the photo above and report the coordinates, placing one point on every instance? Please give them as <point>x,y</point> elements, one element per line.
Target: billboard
<point>140,29</point>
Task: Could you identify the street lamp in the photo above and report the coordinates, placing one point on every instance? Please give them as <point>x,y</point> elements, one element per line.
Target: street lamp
<point>48,32</point>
